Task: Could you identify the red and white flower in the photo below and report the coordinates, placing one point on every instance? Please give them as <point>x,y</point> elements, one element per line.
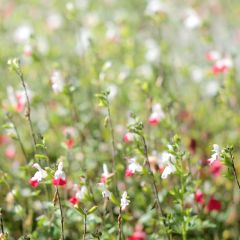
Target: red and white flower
<point>133,167</point>
<point>156,116</point>
<point>38,176</point>
<point>128,137</point>
<point>222,65</point>
<point>70,134</point>
<point>79,195</point>
<point>167,161</point>
<point>59,176</point>
<point>216,154</point>
<point>105,174</point>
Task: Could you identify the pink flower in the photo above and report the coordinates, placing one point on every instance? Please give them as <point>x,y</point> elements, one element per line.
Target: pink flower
<point>59,176</point>
<point>38,176</point>
<point>213,56</point>
<point>214,205</point>
<point>216,168</point>
<point>10,152</point>
<point>128,137</point>
<point>199,197</point>
<point>105,174</point>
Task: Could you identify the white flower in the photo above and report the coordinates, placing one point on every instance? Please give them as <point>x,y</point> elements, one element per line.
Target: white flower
<point>57,81</point>
<point>23,33</point>
<point>156,6</point>
<point>170,168</point>
<point>216,154</point>
<point>134,166</point>
<point>106,193</point>
<point>192,19</point>
<point>124,201</point>
<point>80,194</point>
<point>40,174</point>
<point>54,21</point>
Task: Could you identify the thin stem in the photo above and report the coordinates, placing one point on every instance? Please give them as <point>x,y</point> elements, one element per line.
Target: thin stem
<point>61,212</point>
<point>154,185</point>
<point>112,138</point>
<point>28,112</point>
<point>113,147</point>
<point>85,226</point>
<point>120,224</point>
<point>234,170</point>
<point>18,137</point>
<point>1,221</point>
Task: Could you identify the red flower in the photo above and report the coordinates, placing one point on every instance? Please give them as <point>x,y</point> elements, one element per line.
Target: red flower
<point>69,143</point>
<point>153,121</point>
<point>138,234</point>
<point>59,182</point>
<point>216,168</point>
<point>73,200</point>
<point>128,173</point>
<point>199,197</point>
<point>34,183</point>
<point>214,205</point>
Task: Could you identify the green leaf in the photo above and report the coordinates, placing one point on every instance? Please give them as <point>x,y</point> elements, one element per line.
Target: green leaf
<point>80,210</point>
<point>92,210</point>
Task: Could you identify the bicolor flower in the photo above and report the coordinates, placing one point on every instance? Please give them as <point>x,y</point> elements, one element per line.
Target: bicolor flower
<point>133,167</point>
<point>105,174</point>
<point>156,116</point>
<point>124,201</point>
<point>59,176</point>
<point>128,137</point>
<point>167,161</point>
<point>216,168</point>
<point>79,195</point>
<point>222,65</point>
<point>70,134</point>
<point>216,154</point>
<point>38,176</point>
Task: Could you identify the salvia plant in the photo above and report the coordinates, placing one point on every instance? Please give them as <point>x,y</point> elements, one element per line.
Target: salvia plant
<point>119,120</point>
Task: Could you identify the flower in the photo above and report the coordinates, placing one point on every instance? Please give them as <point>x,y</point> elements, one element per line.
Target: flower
<point>214,205</point>
<point>199,196</point>
<point>79,195</point>
<point>124,201</point>
<point>17,99</point>
<point>57,81</point>
<point>38,176</point>
<point>222,65</point>
<point>73,200</point>
<point>10,152</point>
<point>128,137</point>
<point>168,170</point>
<point>192,19</point>
<point>70,134</point>
<point>138,234</point>
<point>133,167</point>
<point>216,154</point>
<point>156,116</point>
<point>167,160</point>
<point>216,168</point>
<point>213,56</point>
<point>59,176</point>
<point>105,174</point>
